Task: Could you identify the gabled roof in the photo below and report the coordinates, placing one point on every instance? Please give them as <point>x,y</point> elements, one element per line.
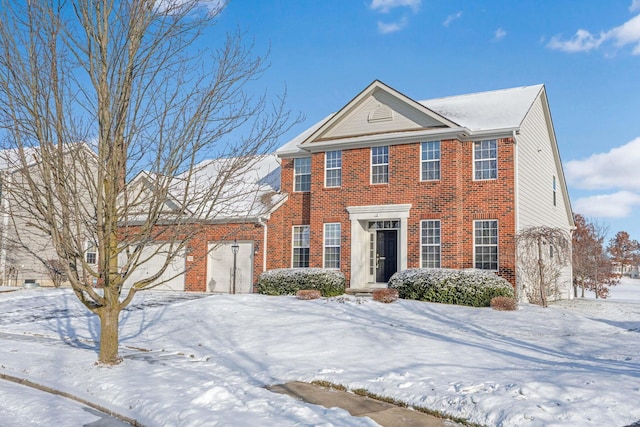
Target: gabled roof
<point>464,115</point>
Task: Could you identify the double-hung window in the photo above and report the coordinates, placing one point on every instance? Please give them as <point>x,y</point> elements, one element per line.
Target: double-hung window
<point>554,192</point>
<point>333,168</point>
<point>485,244</point>
<point>380,165</point>
<point>430,161</point>
<point>485,159</point>
<point>300,246</point>
<point>332,245</point>
<point>430,243</point>
<point>91,255</point>
<point>302,174</point>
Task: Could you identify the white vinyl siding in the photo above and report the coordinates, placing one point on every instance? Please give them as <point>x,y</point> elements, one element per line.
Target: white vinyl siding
<point>485,160</point>
<point>380,165</point>
<point>300,257</point>
<point>333,168</point>
<point>332,245</point>
<point>302,174</point>
<point>430,161</point>
<point>485,244</point>
<point>430,243</point>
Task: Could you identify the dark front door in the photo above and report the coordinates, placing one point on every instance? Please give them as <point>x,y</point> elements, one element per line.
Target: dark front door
<point>386,254</point>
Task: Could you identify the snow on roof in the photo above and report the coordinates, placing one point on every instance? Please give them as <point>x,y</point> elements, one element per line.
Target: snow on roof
<point>247,189</point>
<point>482,111</point>
<point>497,109</point>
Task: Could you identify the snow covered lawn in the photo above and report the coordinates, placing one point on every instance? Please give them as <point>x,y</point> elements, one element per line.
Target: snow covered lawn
<point>195,360</point>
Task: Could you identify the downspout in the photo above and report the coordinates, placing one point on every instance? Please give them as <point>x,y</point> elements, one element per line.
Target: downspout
<point>5,226</point>
<point>516,208</point>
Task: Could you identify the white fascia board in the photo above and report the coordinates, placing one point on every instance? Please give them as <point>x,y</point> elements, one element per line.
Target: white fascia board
<point>394,138</point>
<point>490,133</point>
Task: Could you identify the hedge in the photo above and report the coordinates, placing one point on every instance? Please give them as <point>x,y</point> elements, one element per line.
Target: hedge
<point>288,281</point>
<point>475,288</point>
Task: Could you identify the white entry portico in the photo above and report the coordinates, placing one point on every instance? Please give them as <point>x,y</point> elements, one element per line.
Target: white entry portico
<point>370,225</point>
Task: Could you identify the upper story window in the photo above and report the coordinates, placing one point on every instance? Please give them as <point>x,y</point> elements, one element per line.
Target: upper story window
<point>333,168</point>
<point>485,244</point>
<point>430,243</point>
<point>554,191</point>
<point>380,165</point>
<point>332,245</point>
<point>300,246</point>
<point>485,159</point>
<point>91,254</point>
<point>430,161</point>
<point>302,174</point>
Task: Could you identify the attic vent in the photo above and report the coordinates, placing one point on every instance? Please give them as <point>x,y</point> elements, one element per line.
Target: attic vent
<point>380,114</point>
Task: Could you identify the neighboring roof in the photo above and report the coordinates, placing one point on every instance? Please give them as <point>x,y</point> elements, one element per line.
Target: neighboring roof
<point>499,109</point>
<point>478,112</point>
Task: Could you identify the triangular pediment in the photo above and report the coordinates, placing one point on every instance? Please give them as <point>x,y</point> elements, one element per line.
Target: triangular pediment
<point>381,110</point>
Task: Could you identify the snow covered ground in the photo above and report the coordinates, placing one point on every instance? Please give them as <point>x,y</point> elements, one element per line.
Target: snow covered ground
<point>194,360</point>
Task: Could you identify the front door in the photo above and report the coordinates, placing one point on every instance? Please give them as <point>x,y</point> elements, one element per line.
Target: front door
<point>386,254</point>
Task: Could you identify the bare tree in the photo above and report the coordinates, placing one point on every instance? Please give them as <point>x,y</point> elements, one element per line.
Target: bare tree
<point>543,252</point>
<point>592,269</point>
<point>56,272</point>
<point>137,82</point>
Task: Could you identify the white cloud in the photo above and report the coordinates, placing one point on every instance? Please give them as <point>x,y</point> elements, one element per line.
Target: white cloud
<point>584,41</point>
<point>392,27</point>
<point>615,205</point>
<point>454,17</point>
<point>635,6</point>
<point>618,168</point>
<point>499,34</point>
<point>384,6</point>
<point>171,7</point>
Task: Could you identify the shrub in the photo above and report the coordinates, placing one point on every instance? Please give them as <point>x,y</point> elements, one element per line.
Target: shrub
<point>385,295</point>
<point>475,288</point>
<point>307,294</point>
<point>503,303</point>
<point>288,281</point>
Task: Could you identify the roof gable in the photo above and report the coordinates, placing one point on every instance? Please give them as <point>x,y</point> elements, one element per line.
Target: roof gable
<point>378,109</point>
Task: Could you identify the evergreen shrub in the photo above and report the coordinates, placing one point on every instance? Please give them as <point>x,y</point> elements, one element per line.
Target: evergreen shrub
<point>472,287</point>
<point>288,281</point>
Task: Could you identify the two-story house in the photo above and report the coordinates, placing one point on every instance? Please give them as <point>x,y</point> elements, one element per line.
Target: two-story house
<point>389,183</point>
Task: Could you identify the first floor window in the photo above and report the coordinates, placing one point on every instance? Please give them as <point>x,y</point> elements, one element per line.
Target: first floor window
<point>485,160</point>
<point>430,243</point>
<point>300,246</point>
<point>486,244</point>
<point>91,256</point>
<point>332,245</point>
<point>380,165</point>
<point>302,174</point>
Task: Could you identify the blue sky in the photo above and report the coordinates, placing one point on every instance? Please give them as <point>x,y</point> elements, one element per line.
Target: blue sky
<point>586,52</point>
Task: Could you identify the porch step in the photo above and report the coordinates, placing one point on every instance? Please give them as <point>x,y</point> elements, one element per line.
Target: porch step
<point>360,292</point>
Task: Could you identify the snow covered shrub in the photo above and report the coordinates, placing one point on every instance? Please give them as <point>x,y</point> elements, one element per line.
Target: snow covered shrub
<point>463,287</point>
<point>288,281</point>
<point>385,295</point>
<point>503,303</point>
<point>307,294</point>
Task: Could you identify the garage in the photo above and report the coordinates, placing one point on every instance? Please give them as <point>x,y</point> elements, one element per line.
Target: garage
<point>173,277</point>
<point>220,267</point>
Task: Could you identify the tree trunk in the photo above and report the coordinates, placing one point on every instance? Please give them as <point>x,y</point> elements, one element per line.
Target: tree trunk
<point>109,321</point>
<point>543,290</point>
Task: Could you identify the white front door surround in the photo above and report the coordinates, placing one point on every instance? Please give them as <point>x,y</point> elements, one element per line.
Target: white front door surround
<point>361,238</point>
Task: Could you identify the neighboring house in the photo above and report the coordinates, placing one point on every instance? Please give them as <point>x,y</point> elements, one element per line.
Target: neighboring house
<point>27,254</point>
<point>389,183</point>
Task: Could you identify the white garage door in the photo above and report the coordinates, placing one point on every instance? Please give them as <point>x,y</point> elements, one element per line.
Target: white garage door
<point>220,268</point>
<point>173,277</point>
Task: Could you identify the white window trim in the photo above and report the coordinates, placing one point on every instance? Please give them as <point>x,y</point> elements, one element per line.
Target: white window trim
<point>439,245</point>
<point>293,240</point>
<point>325,246</point>
<point>327,169</point>
<point>422,162</point>
<point>497,243</point>
<point>473,154</point>
<point>371,165</point>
